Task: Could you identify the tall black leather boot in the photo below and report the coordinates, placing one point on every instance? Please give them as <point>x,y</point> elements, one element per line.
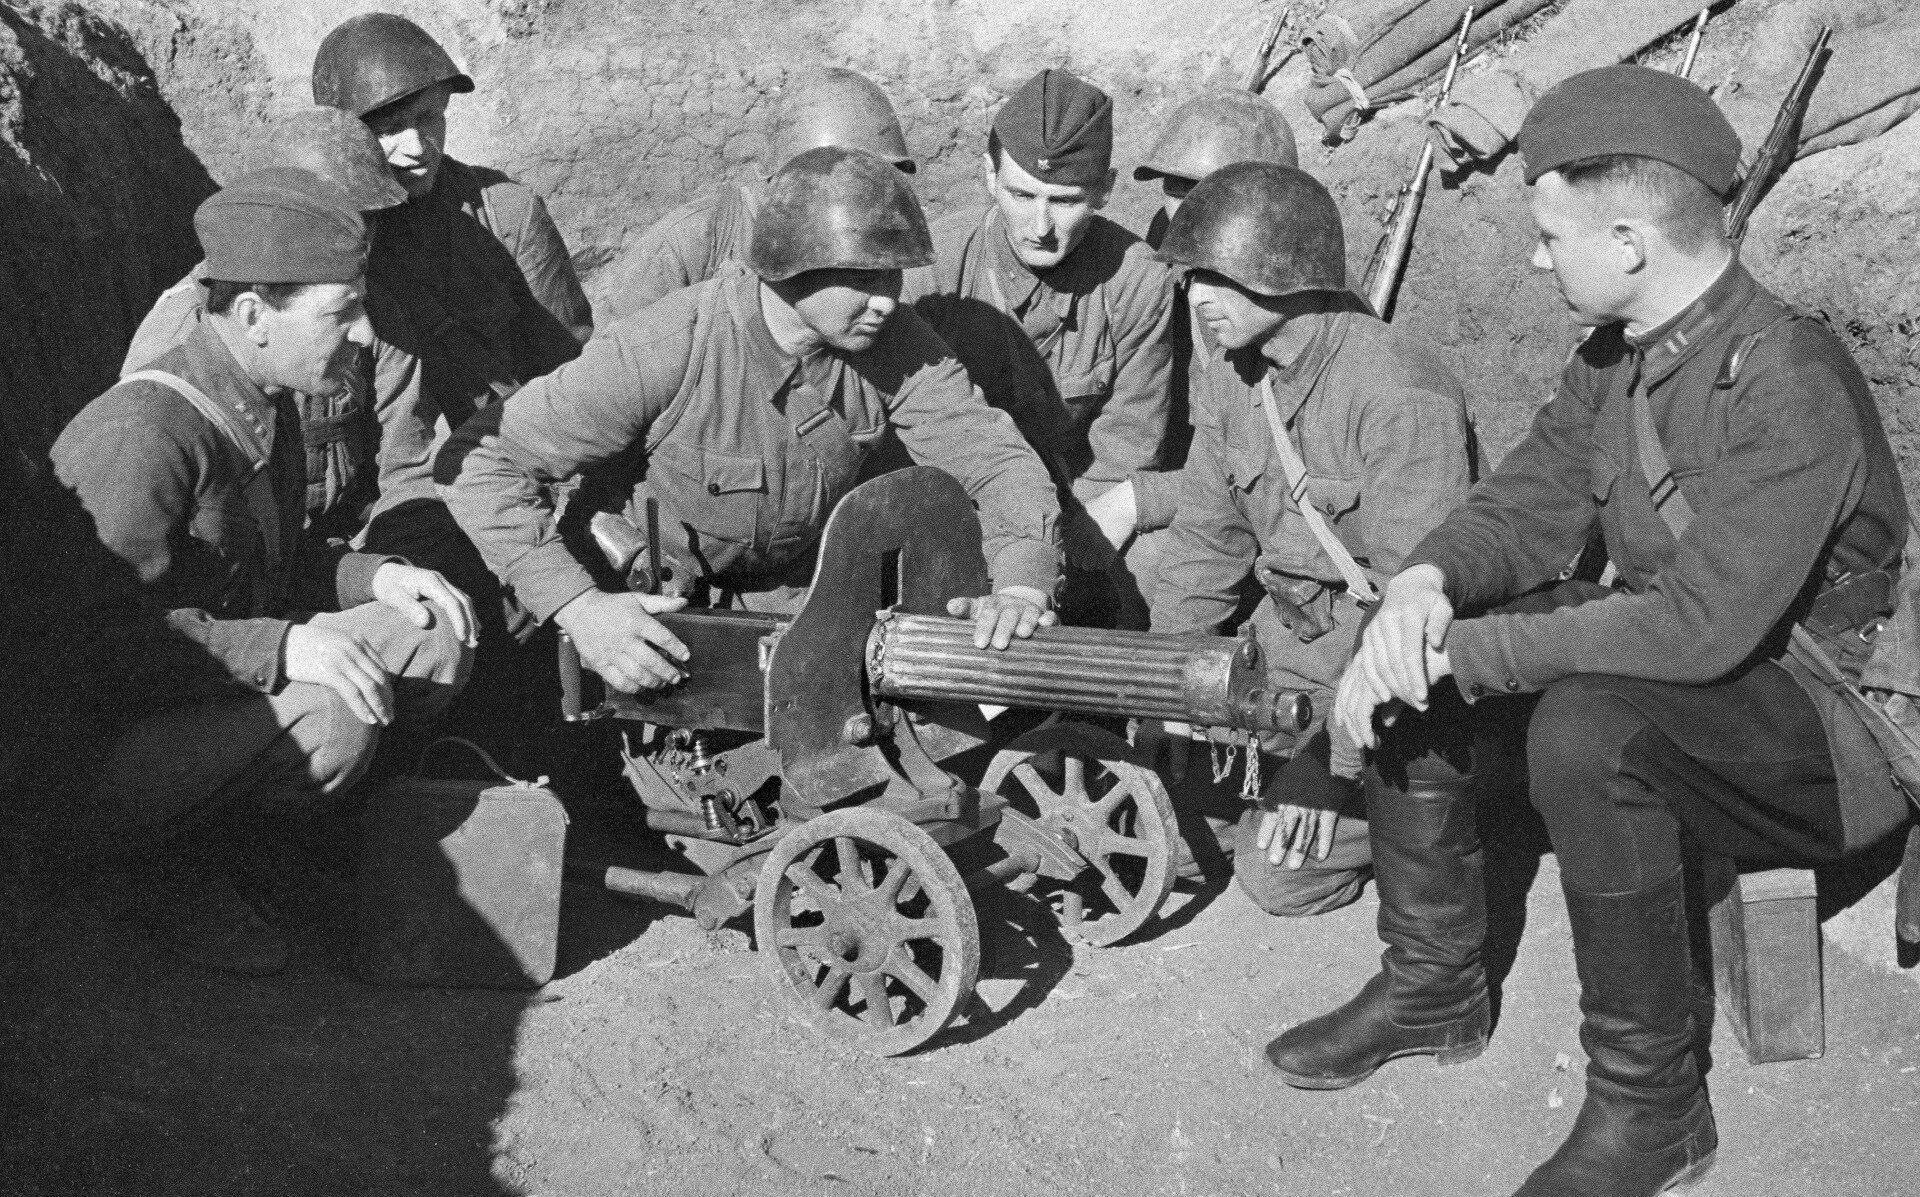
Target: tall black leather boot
<point>1646,1127</point>
<point>1430,996</point>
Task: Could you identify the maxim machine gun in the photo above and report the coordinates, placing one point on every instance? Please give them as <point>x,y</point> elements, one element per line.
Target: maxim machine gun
<point>800,767</point>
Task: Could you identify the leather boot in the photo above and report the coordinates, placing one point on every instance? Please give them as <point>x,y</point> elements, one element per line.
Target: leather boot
<point>1646,1127</point>
<point>1430,996</point>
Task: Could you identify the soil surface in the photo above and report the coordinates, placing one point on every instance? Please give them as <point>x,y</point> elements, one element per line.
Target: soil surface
<point>663,1060</point>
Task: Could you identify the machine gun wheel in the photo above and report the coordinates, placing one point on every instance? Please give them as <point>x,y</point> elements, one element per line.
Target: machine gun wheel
<point>869,929</point>
<point>1082,785</point>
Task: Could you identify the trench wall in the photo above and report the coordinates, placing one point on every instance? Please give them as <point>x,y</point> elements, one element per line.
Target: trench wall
<point>117,116</point>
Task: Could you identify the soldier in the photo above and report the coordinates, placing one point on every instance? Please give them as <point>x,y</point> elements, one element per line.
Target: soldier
<point>751,400</point>
<point>1375,438</point>
<point>688,245</point>
<point>341,433</point>
<point>194,475</point>
<point>1732,457</point>
<point>1063,319</point>
<point>1206,133</point>
<point>475,265</point>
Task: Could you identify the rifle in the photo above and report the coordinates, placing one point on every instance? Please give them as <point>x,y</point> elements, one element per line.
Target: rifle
<point>1776,154</point>
<point>1406,209</point>
<point>1257,73</point>
<point>1693,43</point>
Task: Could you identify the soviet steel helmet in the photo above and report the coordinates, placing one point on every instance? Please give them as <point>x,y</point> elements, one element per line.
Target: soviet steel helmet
<point>837,107</point>
<point>1270,228</point>
<point>370,61</point>
<point>334,145</point>
<point>1209,131</point>
<point>834,208</point>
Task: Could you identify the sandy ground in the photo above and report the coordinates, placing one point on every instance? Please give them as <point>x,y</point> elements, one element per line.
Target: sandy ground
<point>662,1061</point>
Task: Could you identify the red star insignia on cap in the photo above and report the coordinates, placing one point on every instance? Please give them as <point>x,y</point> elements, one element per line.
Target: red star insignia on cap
<point>1045,164</point>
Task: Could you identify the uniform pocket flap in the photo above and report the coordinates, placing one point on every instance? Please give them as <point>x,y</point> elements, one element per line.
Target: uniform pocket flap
<point>726,473</point>
<point>1245,466</point>
<point>1334,496</point>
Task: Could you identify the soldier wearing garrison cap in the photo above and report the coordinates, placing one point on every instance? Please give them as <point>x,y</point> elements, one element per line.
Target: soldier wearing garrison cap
<point>830,106</point>
<point>1375,439</point>
<point>1730,455</point>
<point>341,432</point>
<point>1064,319</point>
<point>194,474</point>
<point>473,281</point>
<point>750,402</point>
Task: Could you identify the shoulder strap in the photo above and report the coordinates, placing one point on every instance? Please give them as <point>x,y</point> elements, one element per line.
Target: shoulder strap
<point>261,502</point>
<point>1296,469</point>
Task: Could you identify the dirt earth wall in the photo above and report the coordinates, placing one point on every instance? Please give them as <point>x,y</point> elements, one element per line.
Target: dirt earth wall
<point>617,110</point>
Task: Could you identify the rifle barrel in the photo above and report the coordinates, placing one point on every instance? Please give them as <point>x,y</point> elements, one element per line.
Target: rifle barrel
<point>1693,43</point>
<point>1776,153</point>
<point>1256,74</point>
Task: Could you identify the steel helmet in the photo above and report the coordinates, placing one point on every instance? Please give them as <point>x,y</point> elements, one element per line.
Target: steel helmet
<point>837,107</point>
<point>372,60</point>
<point>334,145</point>
<point>1270,228</point>
<point>838,209</point>
<point>1209,131</point>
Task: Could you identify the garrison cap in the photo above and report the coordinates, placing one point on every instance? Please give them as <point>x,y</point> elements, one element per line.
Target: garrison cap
<point>1059,128</point>
<point>282,225</point>
<point>1635,110</point>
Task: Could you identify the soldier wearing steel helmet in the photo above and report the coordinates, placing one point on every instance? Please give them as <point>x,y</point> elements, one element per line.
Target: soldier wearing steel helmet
<point>341,432</point>
<point>1206,133</point>
<point>831,106</point>
<point>473,262</point>
<point>1377,427</point>
<point>752,400</point>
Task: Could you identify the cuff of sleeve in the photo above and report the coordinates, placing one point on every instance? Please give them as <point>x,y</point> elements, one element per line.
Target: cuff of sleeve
<point>1450,571</point>
<point>1032,563</point>
<point>1485,665</point>
<point>1156,499</point>
<point>547,579</point>
<point>256,656</point>
<point>353,577</point>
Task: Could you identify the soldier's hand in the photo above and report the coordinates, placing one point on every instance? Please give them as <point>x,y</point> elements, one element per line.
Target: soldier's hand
<point>344,663</point>
<point>417,593</point>
<point>1085,541</point>
<point>999,618</point>
<point>1354,704</point>
<point>1152,736</point>
<point>619,639</point>
<point>1402,645</point>
<point>1289,834</point>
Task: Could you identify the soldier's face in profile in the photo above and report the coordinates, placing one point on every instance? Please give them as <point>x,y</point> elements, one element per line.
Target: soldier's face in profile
<point>413,135</point>
<point>1594,268</point>
<point>310,344</point>
<point>847,309</point>
<point>1045,221</point>
<point>1235,317</point>
<point>1173,189</point>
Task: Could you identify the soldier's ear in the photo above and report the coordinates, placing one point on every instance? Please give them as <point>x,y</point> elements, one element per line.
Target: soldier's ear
<point>250,310</point>
<point>992,175</point>
<point>1097,197</point>
<point>1629,241</point>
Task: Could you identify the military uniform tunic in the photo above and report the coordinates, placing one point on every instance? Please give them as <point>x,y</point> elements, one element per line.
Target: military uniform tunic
<point>1380,424</point>
<point>686,246</point>
<point>167,493</point>
<point>1080,355</point>
<point>745,448</point>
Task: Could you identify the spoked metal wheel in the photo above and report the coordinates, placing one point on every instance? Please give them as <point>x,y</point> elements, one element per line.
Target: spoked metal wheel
<point>1082,785</point>
<point>869,928</point>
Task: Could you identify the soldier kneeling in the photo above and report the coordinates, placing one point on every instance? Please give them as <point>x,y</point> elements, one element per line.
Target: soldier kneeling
<point>1309,397</point>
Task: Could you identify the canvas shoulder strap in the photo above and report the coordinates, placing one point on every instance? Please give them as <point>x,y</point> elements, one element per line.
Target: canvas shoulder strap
<point>261,503</point>
<point>1296,470</point>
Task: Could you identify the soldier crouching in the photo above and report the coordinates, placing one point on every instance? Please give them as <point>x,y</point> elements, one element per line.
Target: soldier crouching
<point>748,404</point>
<point>1309,397</point>
<point>194,473</point>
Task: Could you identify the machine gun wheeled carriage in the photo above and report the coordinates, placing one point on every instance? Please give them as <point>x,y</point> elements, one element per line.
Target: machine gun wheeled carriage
<point>799,766</point>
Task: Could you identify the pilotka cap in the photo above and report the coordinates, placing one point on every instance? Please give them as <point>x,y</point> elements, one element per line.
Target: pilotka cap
<point>1059,128</point>
<point>1631,110</point>
<point>282,225</point>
